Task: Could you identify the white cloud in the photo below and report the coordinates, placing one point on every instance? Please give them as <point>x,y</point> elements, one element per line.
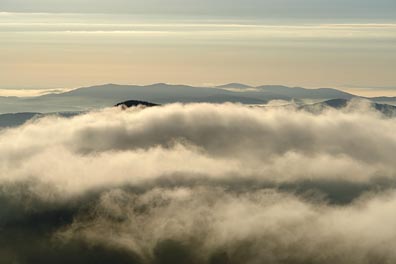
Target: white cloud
<point>250,184</point>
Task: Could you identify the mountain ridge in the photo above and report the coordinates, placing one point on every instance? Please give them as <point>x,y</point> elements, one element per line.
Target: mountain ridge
<point>98,96</point>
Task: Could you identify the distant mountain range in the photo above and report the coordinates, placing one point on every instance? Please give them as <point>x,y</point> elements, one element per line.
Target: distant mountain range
<point>86,98</point>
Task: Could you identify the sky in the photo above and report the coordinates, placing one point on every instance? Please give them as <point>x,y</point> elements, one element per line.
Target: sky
<point>345,44</point>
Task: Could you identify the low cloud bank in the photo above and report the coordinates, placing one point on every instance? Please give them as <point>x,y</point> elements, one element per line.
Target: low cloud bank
<point>200,183</point>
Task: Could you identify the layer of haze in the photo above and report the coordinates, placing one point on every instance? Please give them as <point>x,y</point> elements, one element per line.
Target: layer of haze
<point>200,183</point>
<point>382,9</point>
<point>66,44</point>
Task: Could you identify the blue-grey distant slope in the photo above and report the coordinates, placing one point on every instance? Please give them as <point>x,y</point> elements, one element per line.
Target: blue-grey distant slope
<point>100,96</point>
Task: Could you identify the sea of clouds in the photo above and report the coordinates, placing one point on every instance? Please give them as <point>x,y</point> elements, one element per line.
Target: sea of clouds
<point>200,183</point>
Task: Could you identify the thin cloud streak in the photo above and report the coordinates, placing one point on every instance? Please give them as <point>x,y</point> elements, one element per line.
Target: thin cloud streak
<point>181,28</point>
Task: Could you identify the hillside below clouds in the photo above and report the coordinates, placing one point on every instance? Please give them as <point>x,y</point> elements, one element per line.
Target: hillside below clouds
<point>387,111</point>
<point>94,97</point>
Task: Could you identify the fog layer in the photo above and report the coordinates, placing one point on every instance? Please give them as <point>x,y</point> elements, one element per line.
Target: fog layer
<point>200,183</point>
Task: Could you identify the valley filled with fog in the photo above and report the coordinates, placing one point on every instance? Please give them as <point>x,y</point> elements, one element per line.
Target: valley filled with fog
<point>200,183</point>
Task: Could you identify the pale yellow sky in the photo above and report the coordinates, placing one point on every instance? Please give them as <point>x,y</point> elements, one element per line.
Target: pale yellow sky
<point>63,51</point>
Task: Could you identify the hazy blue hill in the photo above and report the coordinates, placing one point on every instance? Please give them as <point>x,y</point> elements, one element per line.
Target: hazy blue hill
<point>234,99</point>
<point>8,102</point>
<point>303,93</point>
<point>264,95</point>
<point>17,119</point>
<point>384,99</point>
<point>163,93</point>
<point>156,92</point>
<point>234,85</point>
<point>336,103</point>
<point>386,109</point>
